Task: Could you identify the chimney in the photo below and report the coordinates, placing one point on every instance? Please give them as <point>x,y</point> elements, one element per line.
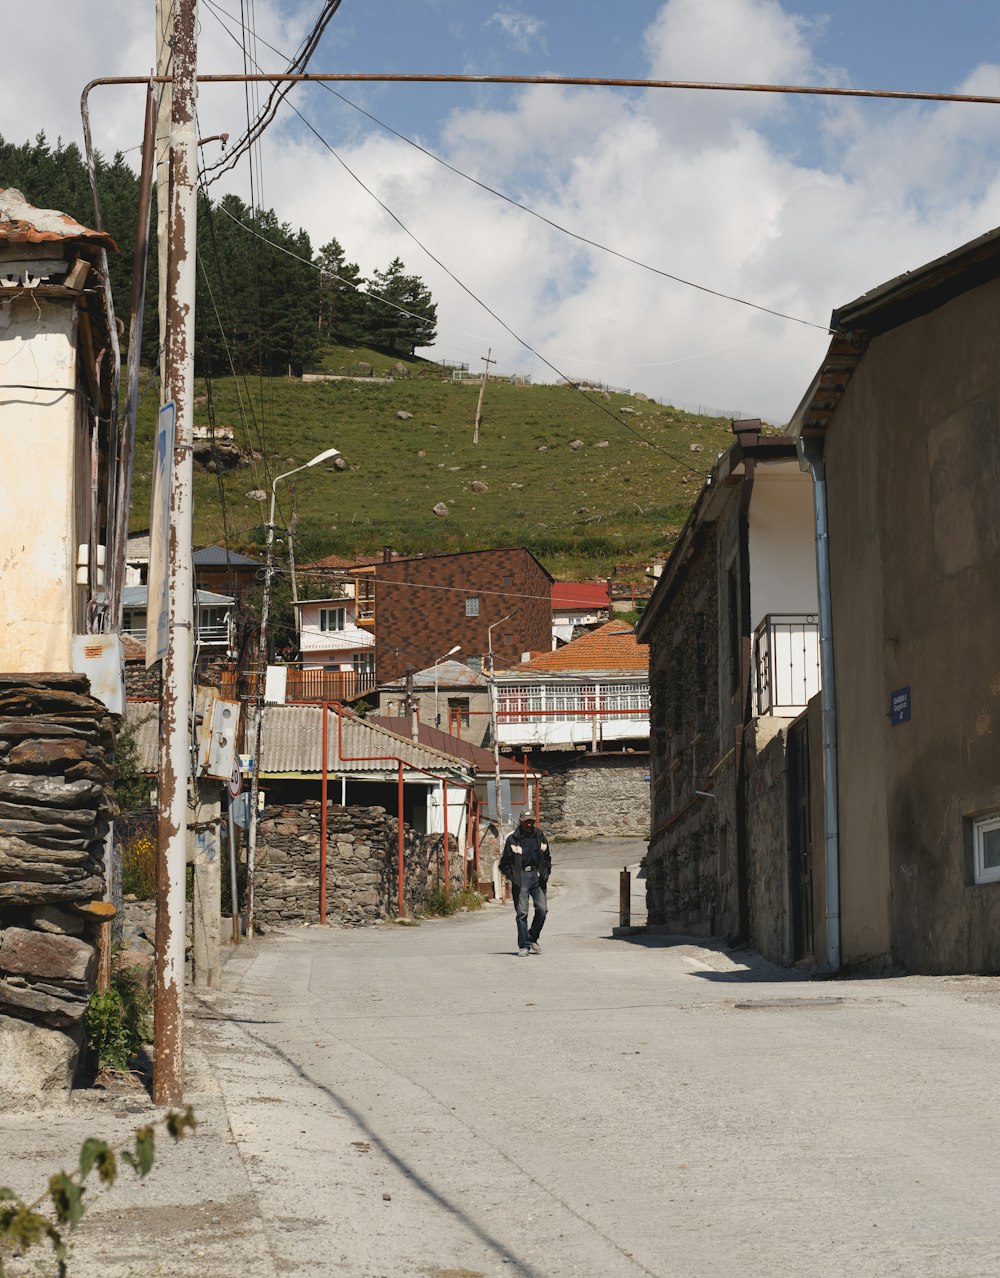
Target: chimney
<point>387,554</point>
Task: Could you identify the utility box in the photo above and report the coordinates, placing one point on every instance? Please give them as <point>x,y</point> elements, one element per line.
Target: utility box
<point>218,725</point>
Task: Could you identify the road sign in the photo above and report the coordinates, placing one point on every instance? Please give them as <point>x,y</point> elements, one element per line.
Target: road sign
<point>236,781</point>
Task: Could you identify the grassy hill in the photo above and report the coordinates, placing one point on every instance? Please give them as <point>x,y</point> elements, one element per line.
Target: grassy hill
<point>592,511</point>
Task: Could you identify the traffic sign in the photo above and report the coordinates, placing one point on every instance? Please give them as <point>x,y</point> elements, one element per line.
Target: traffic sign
<point>236,781</point>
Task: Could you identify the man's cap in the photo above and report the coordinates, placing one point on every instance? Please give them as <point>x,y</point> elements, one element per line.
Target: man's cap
<point>527,815</point>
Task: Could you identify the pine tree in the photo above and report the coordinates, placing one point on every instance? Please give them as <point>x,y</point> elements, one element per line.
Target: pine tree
<point>406,316</point>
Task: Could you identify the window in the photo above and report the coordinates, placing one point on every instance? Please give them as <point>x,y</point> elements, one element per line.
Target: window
<point>507,582</point>
<point>986,848</point>
<point>474,663</point>
<point>363,662</point>
<point>472,605</point>
<point>332,618</point>
<point>508,640</point>
<point>458,713</point>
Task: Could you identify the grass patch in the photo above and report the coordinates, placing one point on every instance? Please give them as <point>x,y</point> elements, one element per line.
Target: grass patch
<point>440,905</point>
<point>590,512</point>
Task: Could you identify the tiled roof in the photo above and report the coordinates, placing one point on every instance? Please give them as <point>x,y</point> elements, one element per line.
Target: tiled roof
<point>612,646</point>
<point>580,594</point>
<point>22,223</point>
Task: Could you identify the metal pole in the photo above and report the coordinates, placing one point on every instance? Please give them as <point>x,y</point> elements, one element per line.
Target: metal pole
<point>322,818</point>
<point>175,753</point>
<point>259,712</point>
<point>447,865</point>
<point>400,849</point>
<point>234,904</point>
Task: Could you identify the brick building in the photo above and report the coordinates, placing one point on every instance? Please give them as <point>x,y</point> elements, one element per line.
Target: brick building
<point>426,606</point>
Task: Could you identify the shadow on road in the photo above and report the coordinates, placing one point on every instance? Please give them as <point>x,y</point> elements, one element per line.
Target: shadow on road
<point>506,1254</point>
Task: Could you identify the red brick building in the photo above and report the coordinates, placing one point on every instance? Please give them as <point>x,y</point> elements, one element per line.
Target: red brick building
<point>425,606</point>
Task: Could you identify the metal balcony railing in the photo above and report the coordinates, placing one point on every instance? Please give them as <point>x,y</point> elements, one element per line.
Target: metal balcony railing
<point>786,663</point>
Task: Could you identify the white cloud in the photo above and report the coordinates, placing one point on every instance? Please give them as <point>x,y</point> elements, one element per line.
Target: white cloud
<point>796,206</point>
<point>525,31</point>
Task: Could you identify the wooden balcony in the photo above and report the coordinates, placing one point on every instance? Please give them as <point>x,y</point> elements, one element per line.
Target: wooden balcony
<point>304,685</point>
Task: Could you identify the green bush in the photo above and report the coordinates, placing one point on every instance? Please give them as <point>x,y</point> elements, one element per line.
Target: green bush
<point>440,904</point>
<point>139,867</point>
<point>120,1021</point>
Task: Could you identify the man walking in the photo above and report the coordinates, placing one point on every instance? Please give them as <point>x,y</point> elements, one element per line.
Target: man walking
<point>527,863</point>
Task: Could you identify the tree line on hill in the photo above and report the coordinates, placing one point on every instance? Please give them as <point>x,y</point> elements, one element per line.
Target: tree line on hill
<point>266,300</point>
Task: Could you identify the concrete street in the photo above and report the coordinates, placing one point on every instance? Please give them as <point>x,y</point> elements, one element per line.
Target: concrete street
<point>418,1101</point>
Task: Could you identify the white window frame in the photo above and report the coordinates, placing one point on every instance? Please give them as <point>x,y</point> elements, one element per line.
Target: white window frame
<point>363,662</point>
<point>339,615</point>
<point>472,605</point>
<point>980,826</point>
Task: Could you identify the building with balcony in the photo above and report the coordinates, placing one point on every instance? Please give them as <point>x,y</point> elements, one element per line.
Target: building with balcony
<point>734,661</point>
<point>337,656</point>
<point>213,620</point>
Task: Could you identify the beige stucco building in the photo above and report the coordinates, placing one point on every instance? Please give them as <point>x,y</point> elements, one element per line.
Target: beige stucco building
<point>57,361</point>
<point>904,417</point>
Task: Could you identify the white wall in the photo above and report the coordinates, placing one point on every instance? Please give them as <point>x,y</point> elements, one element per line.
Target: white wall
<point>39,515</point>
<point>329,645</point>
<point>782,542</point>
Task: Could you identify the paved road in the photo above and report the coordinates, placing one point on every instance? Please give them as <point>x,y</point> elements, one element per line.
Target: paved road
<point>418,1101</point>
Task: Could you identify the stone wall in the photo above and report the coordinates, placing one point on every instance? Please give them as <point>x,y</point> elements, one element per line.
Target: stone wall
<point>362,858</point>
<point>56,772</point>
<point>767,806</point>
<point>584,795</point>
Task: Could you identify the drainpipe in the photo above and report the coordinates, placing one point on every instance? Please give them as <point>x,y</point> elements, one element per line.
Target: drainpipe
<point>811,455</point>
<point>748,433</point>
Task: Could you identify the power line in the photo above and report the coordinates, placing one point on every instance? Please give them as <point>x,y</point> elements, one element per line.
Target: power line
<point>556,226</point>
<point>480,302</point>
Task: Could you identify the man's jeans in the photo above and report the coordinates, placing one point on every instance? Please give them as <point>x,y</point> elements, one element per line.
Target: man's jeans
<point>529,890</point>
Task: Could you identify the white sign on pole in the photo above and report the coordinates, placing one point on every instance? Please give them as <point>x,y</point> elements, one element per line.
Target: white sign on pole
<point>157,594</point>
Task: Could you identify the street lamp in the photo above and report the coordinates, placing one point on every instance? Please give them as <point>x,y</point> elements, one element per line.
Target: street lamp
<point>450,653</point>
<point>265,609</point>
<point>494,710</point>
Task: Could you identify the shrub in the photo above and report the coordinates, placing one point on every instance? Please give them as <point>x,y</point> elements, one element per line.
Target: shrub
<point>139,867</point>
<point>441,905</point>
<point>120,1021</point>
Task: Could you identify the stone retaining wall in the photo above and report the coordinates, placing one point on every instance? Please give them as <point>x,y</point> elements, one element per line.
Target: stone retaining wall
<point>362,860</point>
<point>56,774</point>
<point>584,795</point>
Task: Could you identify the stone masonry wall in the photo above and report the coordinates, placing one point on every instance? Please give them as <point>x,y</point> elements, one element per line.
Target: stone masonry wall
<point>584,795</point>
<point>362,857</point>
<point>56,773</point>
<point>767,805</point>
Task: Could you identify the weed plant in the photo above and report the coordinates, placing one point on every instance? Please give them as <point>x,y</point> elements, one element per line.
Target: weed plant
<point>120,1020</point>
<point>139,867</point>
<point>441,905</point>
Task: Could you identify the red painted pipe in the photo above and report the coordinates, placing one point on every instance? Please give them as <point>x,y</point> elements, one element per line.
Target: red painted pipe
<point>322,821</point>
<point>400,849</point>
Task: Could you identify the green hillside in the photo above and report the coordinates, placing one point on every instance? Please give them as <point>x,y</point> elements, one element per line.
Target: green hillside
<point>592,511</point>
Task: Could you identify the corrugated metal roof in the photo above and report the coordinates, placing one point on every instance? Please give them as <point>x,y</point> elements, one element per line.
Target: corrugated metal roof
<point>479,757</point>
<point>612,646</point>
<point>137,596</point>
<point>22,223</point>
<point>292,741</point>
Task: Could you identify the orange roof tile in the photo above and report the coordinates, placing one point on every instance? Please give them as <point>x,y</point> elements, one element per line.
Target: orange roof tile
<point>612,646</point>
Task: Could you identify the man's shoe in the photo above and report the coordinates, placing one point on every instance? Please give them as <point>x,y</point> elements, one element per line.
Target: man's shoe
<point>523,952</point>
<point>534,947</point>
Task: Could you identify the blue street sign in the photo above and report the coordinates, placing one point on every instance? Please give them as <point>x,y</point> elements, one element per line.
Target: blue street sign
<point>899,706</point>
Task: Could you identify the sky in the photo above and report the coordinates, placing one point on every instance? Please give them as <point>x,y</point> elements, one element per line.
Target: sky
<point>796,205</point>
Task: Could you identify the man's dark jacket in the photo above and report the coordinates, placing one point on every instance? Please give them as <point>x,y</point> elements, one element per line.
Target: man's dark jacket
<point>510,861</point>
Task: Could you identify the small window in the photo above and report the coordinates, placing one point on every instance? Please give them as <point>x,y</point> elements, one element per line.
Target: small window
<point>508,640</point>
<point>472,605</point>
<point>474,663</point>
<point>507,582</point>
<point>332,618</point>
<point>986,848</point>
<point>458,712</point>
<point>363,662</point>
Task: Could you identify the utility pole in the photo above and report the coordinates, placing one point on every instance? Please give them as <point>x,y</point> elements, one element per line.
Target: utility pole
<point>482,391</point>
<point>175,743</point>
<point>164,66</point>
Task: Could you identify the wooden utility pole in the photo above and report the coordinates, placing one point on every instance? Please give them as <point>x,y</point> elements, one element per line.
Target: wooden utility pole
<point>482,391</point>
